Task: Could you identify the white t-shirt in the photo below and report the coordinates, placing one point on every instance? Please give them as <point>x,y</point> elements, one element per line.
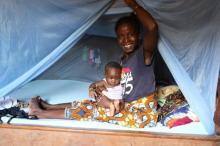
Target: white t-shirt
<point>114,93</point>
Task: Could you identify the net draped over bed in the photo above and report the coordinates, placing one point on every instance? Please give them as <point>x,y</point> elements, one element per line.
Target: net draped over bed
<point>35,34</point>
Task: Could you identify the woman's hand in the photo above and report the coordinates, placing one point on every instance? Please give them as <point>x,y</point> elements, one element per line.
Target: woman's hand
<point>131,3</point>
<point>92,93</point>
<point>100,86</point>
<point>95,89</point>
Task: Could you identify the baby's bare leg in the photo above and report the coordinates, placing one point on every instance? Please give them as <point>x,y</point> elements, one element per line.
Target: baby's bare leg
<point>105,102</point>
<point>117,105</point>
<point>112,109</point>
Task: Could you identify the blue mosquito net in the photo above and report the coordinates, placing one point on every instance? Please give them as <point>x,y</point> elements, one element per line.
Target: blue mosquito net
<point>36,33</point>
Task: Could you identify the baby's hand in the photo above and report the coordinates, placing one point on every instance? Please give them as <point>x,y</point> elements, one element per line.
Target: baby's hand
<point>92,93</point>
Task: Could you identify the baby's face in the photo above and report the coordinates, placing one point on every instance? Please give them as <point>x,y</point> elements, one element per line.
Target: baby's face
<point>113,76</point>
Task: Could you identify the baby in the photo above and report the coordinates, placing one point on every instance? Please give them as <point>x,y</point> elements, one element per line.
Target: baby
<point>111,97</point>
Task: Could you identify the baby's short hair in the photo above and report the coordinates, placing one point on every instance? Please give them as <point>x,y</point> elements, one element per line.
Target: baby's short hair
<point>113,64</point>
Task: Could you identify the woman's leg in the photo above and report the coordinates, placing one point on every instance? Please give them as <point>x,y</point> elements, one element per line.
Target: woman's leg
<point>46,106</point>
<point>137,114</point>
<point>79,110</point>
<point>35,109</point>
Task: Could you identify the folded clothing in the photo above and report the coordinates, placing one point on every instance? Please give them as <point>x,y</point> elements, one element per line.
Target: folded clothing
<point>183,115</point>
<point>173,108</point>
<point>171,104</point>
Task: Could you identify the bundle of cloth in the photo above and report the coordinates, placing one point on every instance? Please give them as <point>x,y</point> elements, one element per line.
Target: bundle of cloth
<point>173,109</point>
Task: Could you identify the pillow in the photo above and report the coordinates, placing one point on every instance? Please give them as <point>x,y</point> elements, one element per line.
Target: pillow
<point>173,108</point>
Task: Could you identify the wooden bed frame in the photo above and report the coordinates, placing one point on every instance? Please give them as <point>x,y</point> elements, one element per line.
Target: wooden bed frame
<point>12,135</point>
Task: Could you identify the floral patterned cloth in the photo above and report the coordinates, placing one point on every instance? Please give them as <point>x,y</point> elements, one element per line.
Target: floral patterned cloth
<point>137,114</point>
<point>172,103</point>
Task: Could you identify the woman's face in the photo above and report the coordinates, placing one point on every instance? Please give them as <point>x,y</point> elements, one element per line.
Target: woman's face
<point>127,37</point>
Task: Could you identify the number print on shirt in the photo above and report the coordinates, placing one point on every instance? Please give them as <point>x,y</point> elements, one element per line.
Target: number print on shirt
<point>126,78</point>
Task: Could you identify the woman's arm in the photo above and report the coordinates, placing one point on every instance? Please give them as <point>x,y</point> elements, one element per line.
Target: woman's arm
<point>96,88</point>
<point>151,37</point>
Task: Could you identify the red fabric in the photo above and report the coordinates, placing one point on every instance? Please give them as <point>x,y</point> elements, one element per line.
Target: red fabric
<point>180,121</point>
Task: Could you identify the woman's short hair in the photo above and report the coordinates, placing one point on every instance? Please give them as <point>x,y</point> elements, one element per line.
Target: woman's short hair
<point>131,19</point>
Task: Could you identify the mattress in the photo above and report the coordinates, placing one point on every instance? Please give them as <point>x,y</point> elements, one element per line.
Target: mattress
<point>60,91</point>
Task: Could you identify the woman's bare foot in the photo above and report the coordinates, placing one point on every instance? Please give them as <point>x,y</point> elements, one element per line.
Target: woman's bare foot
<point>44,104</point>
<point>34,107</point>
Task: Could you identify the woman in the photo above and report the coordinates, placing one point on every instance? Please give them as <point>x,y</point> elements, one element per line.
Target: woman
<point>137,79</point>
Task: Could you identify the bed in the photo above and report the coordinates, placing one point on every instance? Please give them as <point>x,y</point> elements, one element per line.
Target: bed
<point>70,132</point>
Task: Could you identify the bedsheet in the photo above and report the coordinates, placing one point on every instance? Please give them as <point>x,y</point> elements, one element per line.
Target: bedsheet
<point>59,91</point>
